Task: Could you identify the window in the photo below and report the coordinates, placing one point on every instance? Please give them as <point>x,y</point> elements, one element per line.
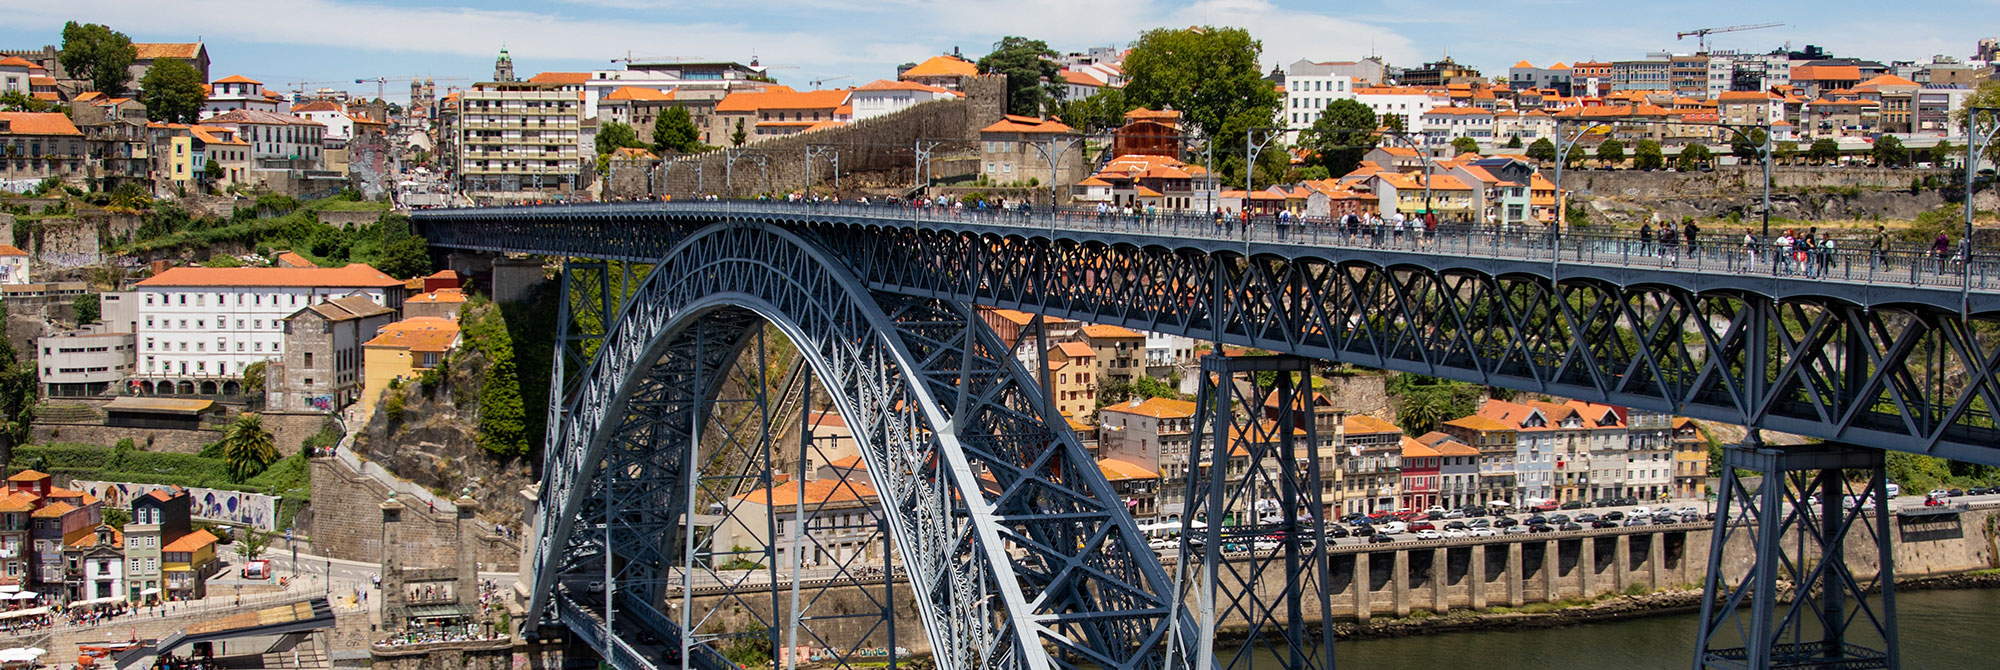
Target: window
<point>309,361</point>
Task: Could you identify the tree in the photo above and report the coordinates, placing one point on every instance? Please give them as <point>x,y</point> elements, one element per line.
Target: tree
<point>674,131</point>
<point>86,307</point>
<point>1542,150</point>
<point>736,139</point>
<point>1465,145</point>
<point>1785,152</point>
<point>1210,74</point>
<point>1341,136</point>
<point>1611,153</point>
<point>1103,110</point>
<point>1889,152</point>
<point>1513,141</point>
<point>1987,96</point>
<point>1273,160</point>
<point>99,54</point>
<point>1392,123</point>
<point>212,171</point>
<point>612,136</point>
<point>1824,150</point>
<point>253,377</point>
<point>117,517</point>
<point>16,101</point>
<point>502,426</point>
<point>1694,157</point>
<point>1027,64</point>
<point>253,544</point>
<point>1647,156</point>
<point>1941,153</point>
<point>247,449</point>
<point>172,91</point>
<point>1747,147</point>
<point>17,395</point>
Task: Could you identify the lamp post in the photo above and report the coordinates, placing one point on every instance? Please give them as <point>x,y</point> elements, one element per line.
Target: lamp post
<point>1976,143</point>
<point>1563,145</point>
<point>815,151</point>
<point>923,149</point>
<point>1052,154</point>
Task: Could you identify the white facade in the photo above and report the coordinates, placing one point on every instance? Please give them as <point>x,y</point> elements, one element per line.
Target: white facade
<point>208,324</point>
<point>234,93</point>
<point>1409,103</point>
<point>103,577</point>
<point>13,265</point>
<point>339,126</point>
<point>516,138</point>
<point>274,136</point>
<point>887,97</point>
<point>1306,95</point>
<point>1444,124</point>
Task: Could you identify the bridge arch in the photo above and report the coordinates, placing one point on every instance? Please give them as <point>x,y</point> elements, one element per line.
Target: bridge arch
<point>951,430</point>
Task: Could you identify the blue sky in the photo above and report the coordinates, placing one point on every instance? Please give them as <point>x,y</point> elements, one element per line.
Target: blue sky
<point>280,41</point>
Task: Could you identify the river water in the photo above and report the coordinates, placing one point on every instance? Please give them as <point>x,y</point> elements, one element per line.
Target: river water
<point>1941,630</point>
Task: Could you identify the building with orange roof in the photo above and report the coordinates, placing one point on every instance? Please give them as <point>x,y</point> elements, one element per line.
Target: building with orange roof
<point>945,71</point>
<point>1155,434</point>
<point>159,517</point>
<point>882,97</point>
<point>1412,194</point>
<point>1898,97</point>
<point>401,351</point>
<point>1014,150</point>
<point>183,346</point>
<point>147,53</point>
<point>1121,352</point>
<point>1525,76</point>
<point>1013,326</point>
<point>1418,478</point>
<point>17,74</point>
<point>444,303</point>
<point>320,369</point>
<point>1370,465</point>
<point>1816,80</point>
<point>1072,380</point>
<point>779,111</point>
<point>56,142</point>
<point>1441,125</point>
<point>237,92</point>
<point>187,562</point>
<point>838,515</point>
<point>1408,102</point>
<point>94,562</point>
<point>1690,459</point>
<point>1495,442</point>
<point>1137,487</point>
<point>1749,107</point>
<point>833,442</point>
<point>59,517</point>
<point>1840,118</point>
<point>1141,180</point>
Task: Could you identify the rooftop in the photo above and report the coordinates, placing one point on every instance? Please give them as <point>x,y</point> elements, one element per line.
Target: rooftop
<point>354,275</point>
<point>942,66</point>
<point>190,542</point>
<point>418,333</point>
<point>34,123</point>
<point>1158,408</point>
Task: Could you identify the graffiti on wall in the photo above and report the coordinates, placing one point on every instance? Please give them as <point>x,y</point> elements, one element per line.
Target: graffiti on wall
<point>255,510</point>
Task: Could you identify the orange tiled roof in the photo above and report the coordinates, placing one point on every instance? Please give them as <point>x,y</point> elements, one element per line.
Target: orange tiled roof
<point>1117,471</point>
<point>1415,449</point>
<point>53,510</point>
<point>560,78</point>
<point>150,51</point>
<point>1080,78</point>
<point>855,462</point>
<point>772,98</point>
<point>1096,331</point>
<point>17,61</point>
<point>317,106</point>
<point>1363,424</point>
<point>1480,423</point>
<point>418,333</point>
<point>33,123</point>
<point>828,419</point>
<point>1076,350</point>
<point>440,296</point>
<point>1158,408</point>
<point>89,538</point>
<point>238,79</point>
<point>1027,124</point>
<point>942,66</point>
<point>639,93</point>
<point>18,502</point>
<point>816,492</point>
<point>190,542</point>
<point>887,85</point>
<point>1826,73</point>
<point>353,275</point>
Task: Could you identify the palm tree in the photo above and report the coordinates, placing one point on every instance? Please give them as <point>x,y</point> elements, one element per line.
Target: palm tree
<point>1421,413</point>
<point>247,448</point>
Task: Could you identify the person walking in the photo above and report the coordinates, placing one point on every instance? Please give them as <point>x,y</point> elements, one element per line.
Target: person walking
<point>1941,248</point>
<point>1878,248</point>
<point>1646,239</point>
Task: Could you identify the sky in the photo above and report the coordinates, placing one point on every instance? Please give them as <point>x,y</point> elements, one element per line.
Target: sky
<point>330,43</point>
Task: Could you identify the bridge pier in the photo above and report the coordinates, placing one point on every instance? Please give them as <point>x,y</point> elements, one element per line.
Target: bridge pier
<point>1364,589</point>
<point>1516,595</point>
<point>1440,580</point>
<point>1476,576</point>
<point>1798,513</point>
<point>1621,579</point>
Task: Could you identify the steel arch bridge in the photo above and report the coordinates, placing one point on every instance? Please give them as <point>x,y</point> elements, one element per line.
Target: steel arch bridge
<point>1040,556</point>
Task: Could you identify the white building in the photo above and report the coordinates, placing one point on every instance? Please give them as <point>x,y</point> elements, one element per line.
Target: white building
<point>1405,101</point>
<point>83,362</point>
<point>841,515</point>
<point>1649,469</point>
<point>518,140</point>
<point>1444,124</point>
<point>1309,88</point>
<point>881,97</point>
<point>277,141</point>
<point>339,126</point>
<point>238,92</point>
<point>200,327</point>
<point>13,265</point>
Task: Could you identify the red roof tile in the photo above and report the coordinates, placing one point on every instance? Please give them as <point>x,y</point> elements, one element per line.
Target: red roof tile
<point>32,123</point>
<point>355,275</point>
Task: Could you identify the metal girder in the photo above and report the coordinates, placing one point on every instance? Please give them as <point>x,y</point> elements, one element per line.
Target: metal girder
<point>1253,477</point>
<point>1799,513</point>
<point>1013,541</point>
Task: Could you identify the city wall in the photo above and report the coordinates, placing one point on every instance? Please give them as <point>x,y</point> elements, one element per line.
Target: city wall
<point>351,529</point>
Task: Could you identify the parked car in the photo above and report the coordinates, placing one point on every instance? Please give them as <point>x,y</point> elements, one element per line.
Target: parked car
<point>1586,517</point>
<point>1558,519</point>
<point>1394,527</point>
<point>1600,523</point>
<point>1569,525</point>
<point>1537,520</point>
<point>1573,504</point>
<point>1455,514</point>
<point>1505,521</point>
<point>1636,520</point>
<point>1514,530</point>
<point>1482,532</point>
<point>1613,515</point>
<point>1540,528</point>
<point>1957,493</point>
<point>1455,534</point>
<point>1364,530</point>
<point>1665,518</point>
<point>1337,531</point>
<point>1379,539</point>
<point>1479,523</point>
<point>1940,493</point>
<point>1456,525</point>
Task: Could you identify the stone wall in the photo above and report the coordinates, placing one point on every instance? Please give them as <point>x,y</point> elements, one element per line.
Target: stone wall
<point>1637,183</point>
<point>351,529</point>
<point>1359,394</point>
<point>67,243</point>
<point>878,150</point>
<point>290,429</point>
<point>515,279</point>
<point>348,219</point>
<point>496,655</point>
<point>147,439</point>
<point>371,165</point>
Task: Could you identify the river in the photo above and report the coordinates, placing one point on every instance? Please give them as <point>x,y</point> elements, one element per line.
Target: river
<point>1941,630</point>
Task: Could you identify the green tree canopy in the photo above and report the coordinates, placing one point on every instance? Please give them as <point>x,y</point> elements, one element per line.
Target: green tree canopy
<point>1542,150</point>
<point>86,307</point>
<point>1464,145</point>
<point>16,101</point>
<point>1341,136</point>
<point>17,395</point>
<point>1210,74</point>
<point>1103,110</point>
<point>1824,150</point>
<point>1694,157</point>
<point>1513,141</point>
<point>1030,68</point>
<point>674,131</point>
<point>1747,147</point>
<point>99,54</point>
<point>172,91</point>
<point>1889,152</point>
<point>212,170</point>
<point>736,139</point>
<point>1611,153</point>
<point>1987,96</point>
<point>1941,153</point>
<point>1647,156</point>
<point>247,449</point>
<point>612,136</point>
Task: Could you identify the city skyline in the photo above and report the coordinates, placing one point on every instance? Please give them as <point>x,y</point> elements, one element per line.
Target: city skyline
<point>330,43</point>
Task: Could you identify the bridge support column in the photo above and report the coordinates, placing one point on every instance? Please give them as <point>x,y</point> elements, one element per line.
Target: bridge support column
<point>1476,577</point>
<point>1399,583</point>
<point>1798,512</point>
<point>1656,558</point>
<point>1621,560</point>
<point>1440,580</point>
<point>1586,563</point>
<point>1552,568</point>
<point>1250,475</point>
<point>1364,594</point>
<point>1516,594</point>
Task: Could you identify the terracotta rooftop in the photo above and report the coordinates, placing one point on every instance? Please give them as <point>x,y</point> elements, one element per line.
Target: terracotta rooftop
<point>1117,471</point>
<point>428,334</point>
<point>354,275</point>
<point>238,79</point>
<point>1158,408</point>
<point>560,78</point>
<point>34,123</point>
<point>153,50</point>
<point>1106,331</point>
<point>816,492</point>
<point>190,542</point>
<point>28,476</point>
<point>942,66</point>
<point>1027,124</point>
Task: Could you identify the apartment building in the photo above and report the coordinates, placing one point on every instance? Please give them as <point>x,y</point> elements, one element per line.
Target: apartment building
<point>1121,352</point>
<point>200,327</point>
<point>1309,88</point>
<point>36,146</point>
<point>1153,434</point>
<point>1371,464</point>
<point>1649,455</point>
<point>1072,380</point>
<point>518,140</point>
<point>320,369</point>
<point>1495,442</point>
<point>84,362</point>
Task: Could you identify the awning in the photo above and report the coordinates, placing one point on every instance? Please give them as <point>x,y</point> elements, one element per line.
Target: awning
<point>32,611</point>
<point>107,600</point>
<point>436,612</point>
<point>150,592</point>
<point>24,595</point>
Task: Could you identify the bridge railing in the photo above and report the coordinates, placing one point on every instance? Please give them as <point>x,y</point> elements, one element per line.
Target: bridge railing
<point>1849,260</point>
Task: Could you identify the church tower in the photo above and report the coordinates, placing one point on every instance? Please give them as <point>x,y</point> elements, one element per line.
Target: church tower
<point>503,67</point>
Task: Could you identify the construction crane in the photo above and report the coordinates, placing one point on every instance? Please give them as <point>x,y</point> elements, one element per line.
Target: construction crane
<point>1701,34</point>
<point>629,59</point>
<point>816,82</point>
<point>382,83</point>
<point>299,87</point>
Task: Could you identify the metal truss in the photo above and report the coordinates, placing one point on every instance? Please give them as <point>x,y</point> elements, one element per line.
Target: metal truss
<point>1900,376</point>
<point>1909,368</point>
<point>1254,513</point>
<point>1799,514</point>
<point>1014,544</point>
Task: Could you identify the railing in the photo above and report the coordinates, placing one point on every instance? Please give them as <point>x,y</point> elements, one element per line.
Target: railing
<point>1898,264</point>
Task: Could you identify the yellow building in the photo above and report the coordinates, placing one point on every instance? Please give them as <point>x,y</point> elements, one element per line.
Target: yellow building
<point>1121,352</point>
<point>188,562</point>
<point>180,159</point>
<point>1073,380</point>
<point>401,351</point>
